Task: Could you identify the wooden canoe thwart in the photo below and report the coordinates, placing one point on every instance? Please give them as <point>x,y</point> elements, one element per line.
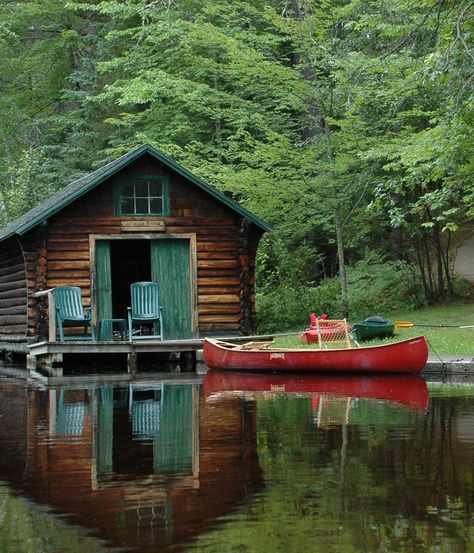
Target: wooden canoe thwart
<point>407,356</point>
<point>409,390</point>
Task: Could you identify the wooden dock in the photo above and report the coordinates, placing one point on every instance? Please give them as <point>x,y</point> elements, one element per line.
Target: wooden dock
<point>50,356</point>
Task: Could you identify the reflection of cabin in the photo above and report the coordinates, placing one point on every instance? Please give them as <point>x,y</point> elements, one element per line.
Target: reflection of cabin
<point>141,217</point>
<point>140,464</point>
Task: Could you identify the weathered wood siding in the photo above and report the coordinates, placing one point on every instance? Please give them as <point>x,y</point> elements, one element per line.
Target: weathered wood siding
<point>225,246</point>
<point>13,294</point>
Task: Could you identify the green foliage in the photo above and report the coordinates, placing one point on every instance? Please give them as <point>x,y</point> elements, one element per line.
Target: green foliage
<point>347,125</point>
<point>375,288</point>
<point>27,185</point>
<point>26,527</point>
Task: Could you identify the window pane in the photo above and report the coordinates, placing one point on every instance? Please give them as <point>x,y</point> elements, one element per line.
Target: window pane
<point>142,205</point>
<point>127,206</point>
<point>128,189</point>
<point>155,188</point>
<point>142,196</point>
<point>156,205</point>
<point>141,189</point>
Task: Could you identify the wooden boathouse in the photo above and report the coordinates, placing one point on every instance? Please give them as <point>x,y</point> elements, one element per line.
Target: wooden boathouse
<point>141,217</point>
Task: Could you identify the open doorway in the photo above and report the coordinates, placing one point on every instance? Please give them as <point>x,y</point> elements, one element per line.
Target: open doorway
<point>130,261</point>
<point>166,260</point>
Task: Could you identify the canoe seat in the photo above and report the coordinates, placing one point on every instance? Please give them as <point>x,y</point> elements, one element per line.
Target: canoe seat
<point>333,333</point>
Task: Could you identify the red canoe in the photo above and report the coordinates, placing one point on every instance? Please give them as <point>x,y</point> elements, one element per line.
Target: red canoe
<point>408,390</point>
<point>407,356</point>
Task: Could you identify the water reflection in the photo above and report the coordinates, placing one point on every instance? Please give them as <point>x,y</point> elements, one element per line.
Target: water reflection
<point>240,462</point>
<point>409,390</point>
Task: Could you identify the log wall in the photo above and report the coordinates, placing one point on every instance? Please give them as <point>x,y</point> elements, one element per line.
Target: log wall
<point>226,248</point>
<point>13,292</point>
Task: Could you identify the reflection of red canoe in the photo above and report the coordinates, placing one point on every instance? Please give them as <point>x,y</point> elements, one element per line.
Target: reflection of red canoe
<point>409,390</point>
<point>407,356</point>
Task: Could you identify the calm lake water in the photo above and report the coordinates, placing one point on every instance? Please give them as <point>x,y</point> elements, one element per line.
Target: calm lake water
<point>229,463</point>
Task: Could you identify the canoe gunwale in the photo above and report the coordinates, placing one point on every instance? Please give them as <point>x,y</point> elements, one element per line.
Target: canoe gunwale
<point>406,356</point>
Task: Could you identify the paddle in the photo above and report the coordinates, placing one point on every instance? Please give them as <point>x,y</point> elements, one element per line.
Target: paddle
<point>408,324</point>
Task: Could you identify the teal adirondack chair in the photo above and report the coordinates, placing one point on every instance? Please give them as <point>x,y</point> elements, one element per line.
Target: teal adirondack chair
<point>145,310</point>
<point>71,313</point>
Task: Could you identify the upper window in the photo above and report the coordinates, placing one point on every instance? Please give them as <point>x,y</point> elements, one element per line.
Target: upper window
<point>144,195</point>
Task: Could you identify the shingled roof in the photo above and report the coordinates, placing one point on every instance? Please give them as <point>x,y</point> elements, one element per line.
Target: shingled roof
<point>78,188</point>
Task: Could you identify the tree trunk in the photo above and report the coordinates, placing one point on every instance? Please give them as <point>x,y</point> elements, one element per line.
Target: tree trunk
<point>342,263</point>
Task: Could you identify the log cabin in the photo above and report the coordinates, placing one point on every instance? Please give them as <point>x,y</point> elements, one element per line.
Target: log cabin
<point>141,217</point>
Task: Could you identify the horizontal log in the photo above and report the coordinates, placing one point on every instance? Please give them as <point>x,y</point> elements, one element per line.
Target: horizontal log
<point>14,310</point>
<point>216,255</point>
<point>12,294</point>
<point>13,329</point>
<point>11,286</point>
<point>219,281</point>
<point>15,338</point>
<point>86,230</point>
<point>217,264</point>
<point>216,237</point>
<point>7,262</point>
<point>217,319</point>
<point>218,274</point>
<point>53,283</point>
<point>110,220</point>
<point>68,265</point>
<point>204,231</point>
<point>224,309</point>
<point>216,298</point>
<point>82,274</point>
<point>72,223</point>
<point>14,276</point>
<point>210,290</point>
<point>221,328</point>
<point>217,247</point>
<point>8,320</point>
<point>7,303</point>
<point>67,256</point>
<point>57,241</point>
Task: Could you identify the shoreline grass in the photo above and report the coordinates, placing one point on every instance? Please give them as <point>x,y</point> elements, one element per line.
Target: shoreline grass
<point>442,340</point>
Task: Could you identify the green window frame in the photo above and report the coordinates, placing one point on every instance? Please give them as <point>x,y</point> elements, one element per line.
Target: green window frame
<point>142,196</point>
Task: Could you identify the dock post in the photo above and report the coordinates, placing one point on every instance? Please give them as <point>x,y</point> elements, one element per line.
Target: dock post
<point>187,361</point>
<point>47,363</point>
<point>132,362</point>
<point>31,362</point>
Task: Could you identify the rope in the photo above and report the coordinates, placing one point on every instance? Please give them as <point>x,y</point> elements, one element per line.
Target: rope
<point>436,353</point>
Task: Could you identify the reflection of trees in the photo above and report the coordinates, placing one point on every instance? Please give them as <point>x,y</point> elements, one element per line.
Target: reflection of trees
<point>25,528</point>
<point>392,480</point>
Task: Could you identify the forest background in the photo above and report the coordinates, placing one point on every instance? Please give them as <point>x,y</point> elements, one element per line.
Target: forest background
<point>346,124</point>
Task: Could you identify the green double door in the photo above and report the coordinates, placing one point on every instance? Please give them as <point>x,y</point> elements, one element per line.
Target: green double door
<point>118,263</point>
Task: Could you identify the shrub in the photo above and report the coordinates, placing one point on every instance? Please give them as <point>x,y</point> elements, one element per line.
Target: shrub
<point>375,286</point>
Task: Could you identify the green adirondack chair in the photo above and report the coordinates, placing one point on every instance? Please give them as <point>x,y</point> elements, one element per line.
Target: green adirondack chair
<point>71,313</point>
<point>145,311</point>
